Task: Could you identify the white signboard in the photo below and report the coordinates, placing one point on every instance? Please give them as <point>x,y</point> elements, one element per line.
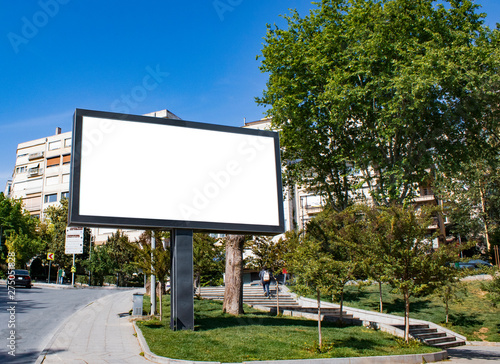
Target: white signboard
<point>74,240</point>
<point>145,172</point>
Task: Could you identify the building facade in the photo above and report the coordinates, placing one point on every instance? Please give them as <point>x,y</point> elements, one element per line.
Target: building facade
<point>42,171</point>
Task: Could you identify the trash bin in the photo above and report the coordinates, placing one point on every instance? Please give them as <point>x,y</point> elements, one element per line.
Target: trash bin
<point>137,304</point>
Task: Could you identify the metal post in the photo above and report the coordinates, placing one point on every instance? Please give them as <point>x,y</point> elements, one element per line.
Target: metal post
<point>73,273</point>
<point>48,281</point>
<point>181,280</point>
<point>90,259</point>
<point>153,277</point>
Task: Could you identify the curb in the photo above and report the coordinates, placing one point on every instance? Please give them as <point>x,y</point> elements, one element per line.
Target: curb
<point>483,343</point>
<point>392,359</point>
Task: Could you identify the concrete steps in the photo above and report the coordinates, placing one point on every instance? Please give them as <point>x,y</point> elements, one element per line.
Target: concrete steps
<point>432,336</point>
<point>253,295</point>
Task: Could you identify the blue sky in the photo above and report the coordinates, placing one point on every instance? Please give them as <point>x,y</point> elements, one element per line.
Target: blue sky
<point>196,58</point>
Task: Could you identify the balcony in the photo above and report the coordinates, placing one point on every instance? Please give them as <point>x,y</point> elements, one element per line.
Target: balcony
<point>34,172</point>
<point>425,198</point>
<point>33,156</point>
<point>310,209</point>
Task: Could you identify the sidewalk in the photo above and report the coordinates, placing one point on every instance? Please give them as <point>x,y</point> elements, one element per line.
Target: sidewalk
<point>103,333</point>
<point>99,333</point>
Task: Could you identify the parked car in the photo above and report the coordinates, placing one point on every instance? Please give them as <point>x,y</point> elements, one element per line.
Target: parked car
<point>463,265</point>
<point>478,263</point>
<point>21,277</point>
<point>472,264</point>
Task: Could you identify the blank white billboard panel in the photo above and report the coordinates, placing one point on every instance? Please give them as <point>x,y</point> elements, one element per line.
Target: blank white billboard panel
<point>137,171</point>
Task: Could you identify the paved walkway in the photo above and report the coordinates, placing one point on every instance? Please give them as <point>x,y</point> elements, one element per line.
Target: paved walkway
<point>102,333</point>
<point>476,354</point>
<point>99,333</point>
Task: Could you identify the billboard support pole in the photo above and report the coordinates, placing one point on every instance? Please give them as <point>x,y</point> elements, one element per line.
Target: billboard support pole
<point>181,280</point>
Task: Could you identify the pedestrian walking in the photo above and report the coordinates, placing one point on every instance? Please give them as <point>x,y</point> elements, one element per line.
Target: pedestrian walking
<point>265,279</point>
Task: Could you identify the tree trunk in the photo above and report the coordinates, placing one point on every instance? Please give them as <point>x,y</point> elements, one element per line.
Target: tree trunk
<point>341,305</point>
<point>407,315</point>
<point>197,282</point>
<point>318,295</point>
<point>446,308</point>
<point>277,297</point>
<point>233,292</point>
<point>161,297</point>
<point>380,296</point>
<point>483,209</point>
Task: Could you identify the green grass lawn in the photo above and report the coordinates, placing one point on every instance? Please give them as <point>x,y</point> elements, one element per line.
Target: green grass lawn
<point>475,316</point>
<point>261,336</point>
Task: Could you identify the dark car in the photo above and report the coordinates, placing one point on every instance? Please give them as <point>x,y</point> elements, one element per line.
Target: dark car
<point>20,277</point>
<point>480,263</point>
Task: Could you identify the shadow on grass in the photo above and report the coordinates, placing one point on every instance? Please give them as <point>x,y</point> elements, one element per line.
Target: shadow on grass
<point>356,295</point>
<point>465,319</point>
<point>398,306</point>
<point>207,323</point>
<point>355,343</point>
<point>254,319</point>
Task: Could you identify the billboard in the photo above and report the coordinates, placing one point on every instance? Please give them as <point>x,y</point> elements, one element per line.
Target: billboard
<point>147,173</point>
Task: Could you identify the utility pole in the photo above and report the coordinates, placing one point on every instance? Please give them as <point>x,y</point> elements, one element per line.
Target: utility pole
<point>90,259</point>
<point>153,277</point>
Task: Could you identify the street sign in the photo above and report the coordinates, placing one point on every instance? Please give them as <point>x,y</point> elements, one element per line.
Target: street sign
<point>73,269</point>
<point>50,256</point>
<point>74,240</point>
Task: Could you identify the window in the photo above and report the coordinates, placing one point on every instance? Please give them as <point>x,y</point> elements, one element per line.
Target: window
<point>55,145</point>
<point>54,161</point>
<point>50,181</point>
<point>22,155</point>
<point>66,159</point>
<point>22,169</point>
<point>65,195</point>
<point>51,198</point>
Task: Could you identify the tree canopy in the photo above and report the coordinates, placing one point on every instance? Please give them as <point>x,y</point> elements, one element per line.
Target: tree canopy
<point>18,231</point>
<point>375,93</point>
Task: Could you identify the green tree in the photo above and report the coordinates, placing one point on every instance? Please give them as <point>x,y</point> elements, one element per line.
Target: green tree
<point>471,195</point>
<point>122,255</point>
<point>451,291</point>
<point>101,263</point>
<point>339,235</point>
<point>25,246</point>
<point>493,287</point>
<point>369,234</point>
<point>208,259</point>
<point>18,231</point>
<point>413,267</point>
<point>375,93</point>
<point>56,218</point>
<point>268,252</point>
<point>271,254</point>
<point>155,261</point>
<point>313,269</point>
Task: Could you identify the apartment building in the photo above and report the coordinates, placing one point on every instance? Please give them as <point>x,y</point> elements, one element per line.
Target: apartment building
<point>42,170</point>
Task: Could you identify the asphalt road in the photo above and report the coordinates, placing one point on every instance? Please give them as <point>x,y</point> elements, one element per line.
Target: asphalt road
<point>35,314</point>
